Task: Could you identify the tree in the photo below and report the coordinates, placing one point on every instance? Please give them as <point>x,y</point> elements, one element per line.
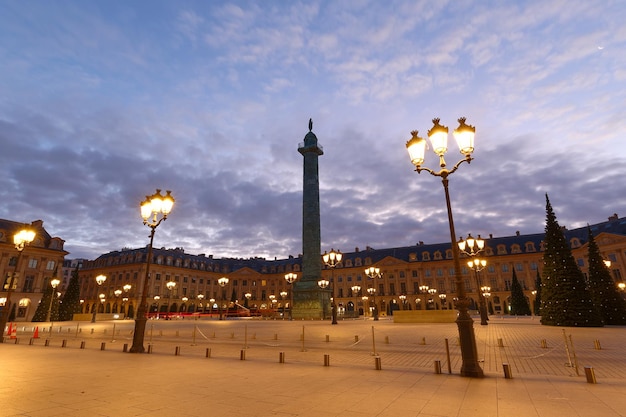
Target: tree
<point>519,303</point>
<point>71,299</point>
<point>604,293</point>
<point>41,314</point>
<point>566,301</point>
<point>537,301</point>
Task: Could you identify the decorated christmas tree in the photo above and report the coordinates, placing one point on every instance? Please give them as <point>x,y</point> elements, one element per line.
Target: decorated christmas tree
<point>603,290</point>
<point>41,314</point>
<point>519,303</point>
<point>565,299</point>
<point>71,299</point>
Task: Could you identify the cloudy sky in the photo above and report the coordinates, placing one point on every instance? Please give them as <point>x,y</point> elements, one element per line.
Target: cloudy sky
<point>102,102</point>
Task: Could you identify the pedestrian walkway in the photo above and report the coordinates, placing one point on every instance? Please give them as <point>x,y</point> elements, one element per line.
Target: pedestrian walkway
<point>278,368</point>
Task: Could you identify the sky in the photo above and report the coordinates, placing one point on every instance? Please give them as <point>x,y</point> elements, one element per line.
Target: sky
<point>102,102</point>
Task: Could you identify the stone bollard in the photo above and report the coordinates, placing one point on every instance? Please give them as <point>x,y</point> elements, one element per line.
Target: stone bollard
<point>82,344</point>
<point>507,371</point>
<point>149,348</point>
<point>590,374</point>
<point>326,360</point>
<point>281,357</point>
<point>596,345</point>
<point>125,348</point>
<point>356,338</point>
<point>103,345</point>
<point>327,338</point>
<point>64,343</point>
<point>544,344</point>
<point>377,363</point>
<point>437,366</point>
<point>47,342</point>
<point>177,351</point>
<point>242,355</point>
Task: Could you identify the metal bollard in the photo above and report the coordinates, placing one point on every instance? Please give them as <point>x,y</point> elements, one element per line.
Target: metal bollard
<point>507,371</point>
<point>31,341</point>
<point>125,348</point>
<point>500,344</point>
<point>590,374</point>
<point>177,351</point>
<point>47,342</point>
<point>423,342</point>
<point>103,345</point>
<point>377,363</point>
<point>149,348</point>
<point>17,341</point>
<point>208,352</point>
<point>544,344</point>
<point>82,344</point>
<point>64,343</point>
<point>326,360</point>
<point>327,338</point>
<point>275,336</point>
<point>437,367</point>
<point>596,345</point>
<point>356,338</point>
<point>242,355</point>
<point>281,357</point>
<point>387,340</point>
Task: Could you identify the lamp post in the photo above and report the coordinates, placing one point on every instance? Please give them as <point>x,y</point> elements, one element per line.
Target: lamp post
<point>472,247</point>
<point>323,284</point>
<point>534,293</point>
<point>100,279</point>
<point>433,293</point>
<point>291,278</point>
<point>117,294</point>
<point>212,302</point>
<point>54,283</point>
<point>102,300</point>
<point>156,302</point>
<point>355,290</point>
<point>373,273</point>
<point>170,286</point>
<point>20,240</point>
<point>416,147</point>
<point>154,210</point>
<point>402,298</point>
<point>222,283</point>
<point>247,296</point>
<point>283,295</point>
<point>331,260</point>
<point>424,290</point>
<point>365,299</point>
<point>200,297</point>
<point>126,289</point>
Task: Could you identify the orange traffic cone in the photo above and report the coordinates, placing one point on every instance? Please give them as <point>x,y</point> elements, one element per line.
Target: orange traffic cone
<point>36,334</point>
<point>14,332</point>
<point>9,329</point>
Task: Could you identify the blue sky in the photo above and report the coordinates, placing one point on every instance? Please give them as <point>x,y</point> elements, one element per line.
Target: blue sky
<point>102,102</point>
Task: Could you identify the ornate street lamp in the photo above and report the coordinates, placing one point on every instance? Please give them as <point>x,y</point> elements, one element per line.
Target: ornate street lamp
<point>222,282</point>
<point>323,284</point>
<point>283,295</point>
<point>212,302</point>
<point>200,297</point>
<point>100,279</point>
<point>373,273</point>
<point>331,260</point>
<point>126,288</point>
<point>54,283</point>
<point>170,285</point>
<point>402,298</point>
<point>291,278</point>
<point>355,290</point>
<point>472,247</point>
<point>416,147</point>
<point>154,210</point>
<point>20,240</point>
<point>365,299</point>
<point>443,297</point>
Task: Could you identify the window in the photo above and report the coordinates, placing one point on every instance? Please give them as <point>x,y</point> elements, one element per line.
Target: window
<point>530,247</point>
<point>392,288</point>
<point>425,256</point>
<point>507,285</point>
<point>28,283</point>
<point>516,248</point>
<point>50,265</point>
<point>448,253</point>
<point>32,263</point>
<point>491,269</point>
<point>533,266</point>
<point>439,272</point>
<point>501,250</point>
<point>437,255</point>
<point>427,273</point>
<point>157,277</point>
<point>505,267</point>
<point>401,274</point>
<point>414,274</point>
<point>519,267</point>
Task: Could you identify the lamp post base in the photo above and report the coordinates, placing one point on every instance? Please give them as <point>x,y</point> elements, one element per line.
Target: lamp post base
<point>467,340</point>
<point>138,335</point>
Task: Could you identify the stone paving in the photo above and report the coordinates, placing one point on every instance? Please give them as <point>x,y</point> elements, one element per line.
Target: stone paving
<point>232,368</point>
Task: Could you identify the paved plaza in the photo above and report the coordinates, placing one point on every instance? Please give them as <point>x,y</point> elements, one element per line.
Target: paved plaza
<point>252,367</point>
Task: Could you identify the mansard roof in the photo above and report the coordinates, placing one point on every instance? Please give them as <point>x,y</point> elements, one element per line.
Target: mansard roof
<point>414,253</point>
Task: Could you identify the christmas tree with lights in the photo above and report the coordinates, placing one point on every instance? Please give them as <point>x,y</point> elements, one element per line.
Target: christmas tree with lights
<point>565,299</point>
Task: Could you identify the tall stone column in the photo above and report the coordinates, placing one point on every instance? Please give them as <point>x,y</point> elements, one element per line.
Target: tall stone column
<point>310,301</point>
